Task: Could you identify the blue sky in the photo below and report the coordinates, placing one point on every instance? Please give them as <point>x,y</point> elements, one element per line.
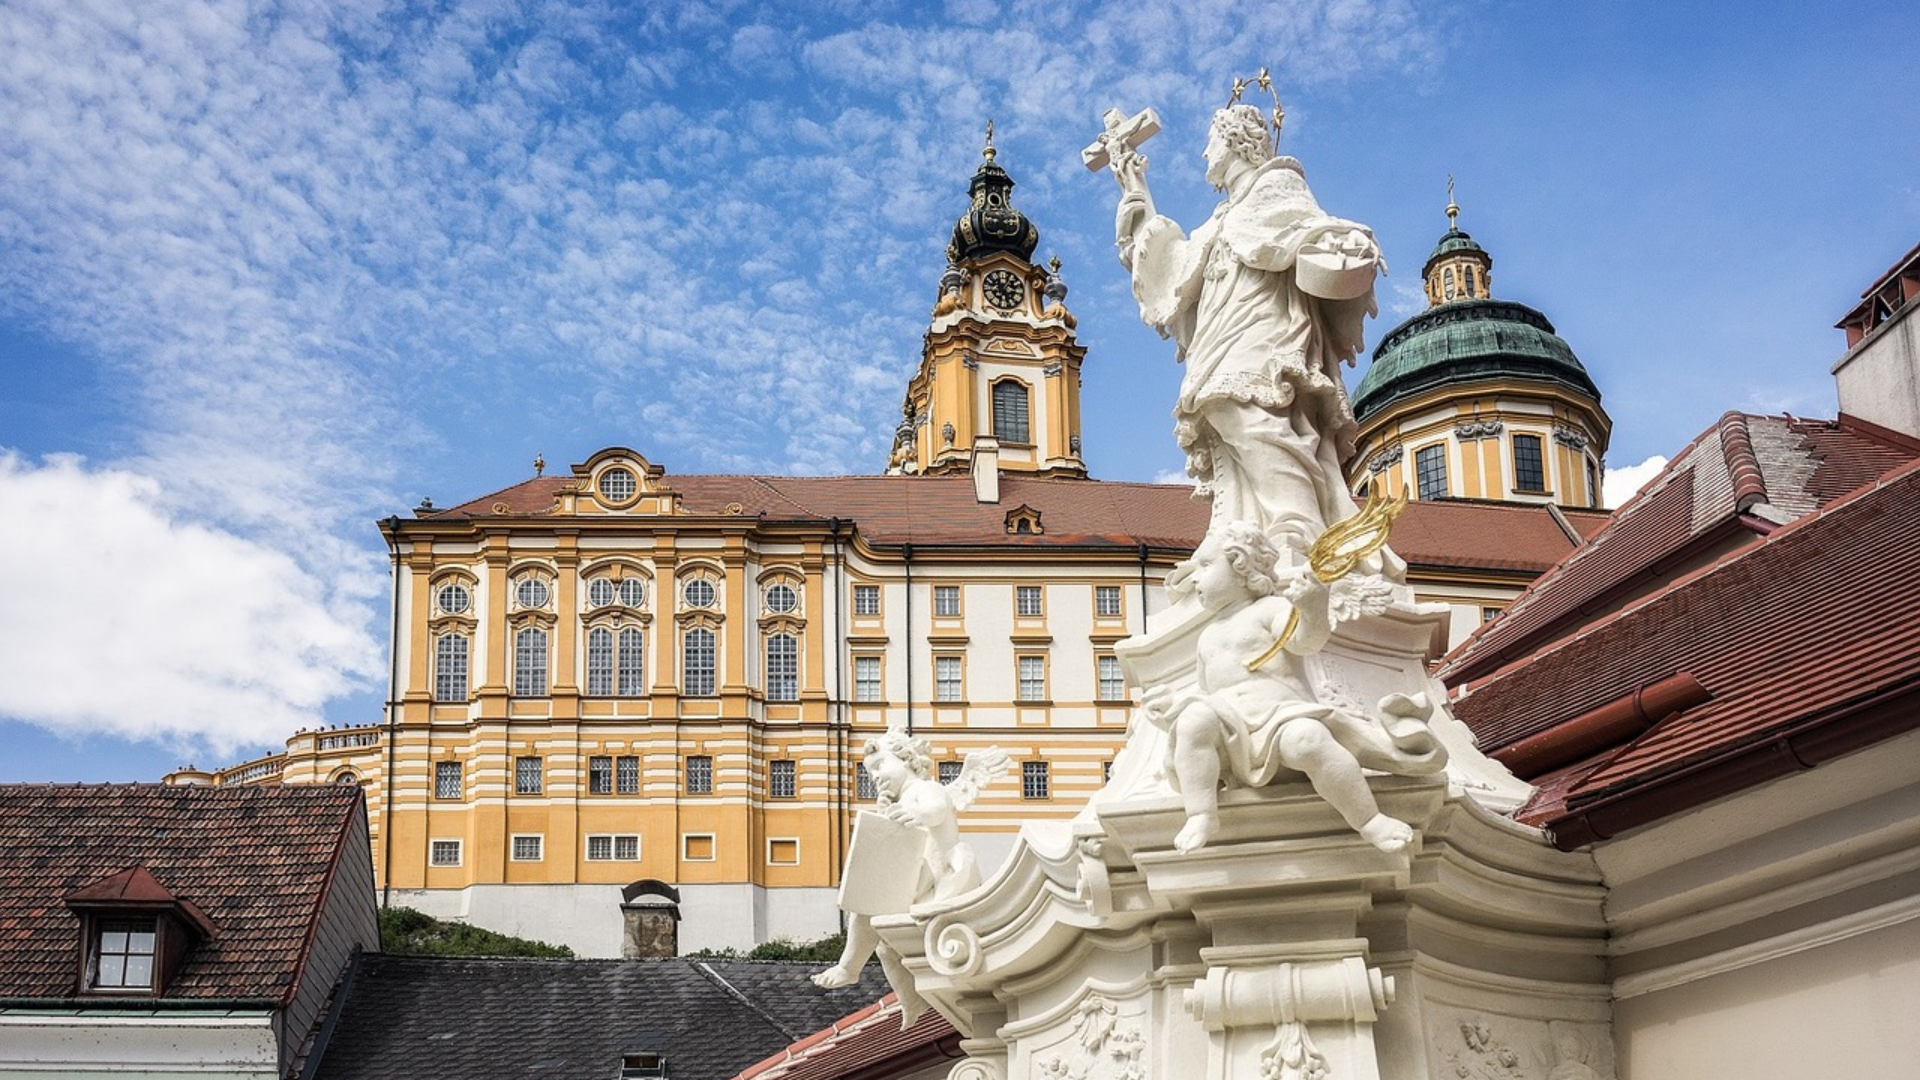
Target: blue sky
<point>269,273</point>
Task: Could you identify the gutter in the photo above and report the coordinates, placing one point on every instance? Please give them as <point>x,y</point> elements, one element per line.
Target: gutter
<point>1854,725</point>
<point>1621,720</point>
<point>387,784</point>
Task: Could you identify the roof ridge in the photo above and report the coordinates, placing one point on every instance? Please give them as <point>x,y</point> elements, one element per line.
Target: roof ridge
<point>1743,465</point>
<point>728,988</point>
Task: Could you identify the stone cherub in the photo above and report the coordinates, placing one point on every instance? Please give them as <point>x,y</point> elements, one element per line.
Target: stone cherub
<point>902,770</point>
<point>1248,723</point>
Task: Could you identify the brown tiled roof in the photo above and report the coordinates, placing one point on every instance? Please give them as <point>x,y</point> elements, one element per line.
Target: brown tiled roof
<point>255,861</point>
<point>867,1042</point>
<point>937,511</point>
<point>1739,480</point>
<point>1805,642</point>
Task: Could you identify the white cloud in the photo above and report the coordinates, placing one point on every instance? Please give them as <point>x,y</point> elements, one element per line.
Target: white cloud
<point>1621,483</point>
<point>1172,476</point>
<point>127,621</point>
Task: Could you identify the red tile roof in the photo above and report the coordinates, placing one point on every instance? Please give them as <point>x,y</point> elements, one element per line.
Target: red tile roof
<point>1739,480</point>
<point>255,861</point>
<point>1806,643</point>
<point>933,511</point>
<point>868,1042</point>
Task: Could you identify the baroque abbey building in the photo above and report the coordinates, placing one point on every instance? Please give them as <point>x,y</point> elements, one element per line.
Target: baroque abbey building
<point>616,674</point>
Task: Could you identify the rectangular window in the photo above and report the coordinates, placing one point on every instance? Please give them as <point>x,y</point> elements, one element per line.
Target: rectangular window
<point>783,668</point>
<point>527,775</point>
<point>1488,614</point>
<point>866,599</point>
<point>1106,601</point>
<point>123,955</point>
<point>633,662</point>
<point>697,847</point>
<point>699,662</point>
<point>530,663</point>
<point>866,678</point>
<point>600,775</point>
<point>863,783</point>
<point>699,774</point>
<point>1529,470</point>
<point>1593,484</point>
<point>450,667</point>
<point>613,848</point>
<point>446,779</point>
<point>782,780</point>
<point>600,661</point>
<point>1033,678</point>
<point>1026,601</point>
<point>946,679</point>
<point>1010,411</point>
<point>445,853</point>
<point>949,771</point>
<point>626,775</point>
<point>1430,466</point>
<point>946,601</point>
<point>1113,685</point>
<point>783,851</point>
<point>1033,780</point>
<point>527,848</point>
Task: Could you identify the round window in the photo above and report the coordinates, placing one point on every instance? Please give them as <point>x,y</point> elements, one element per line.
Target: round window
<point>616,485</point>
<point>600,592</point>
<point>453,599</point>
<point>781,598</point>
<point>700,593</point>
<point>531,592</point>
<point>633,592</point>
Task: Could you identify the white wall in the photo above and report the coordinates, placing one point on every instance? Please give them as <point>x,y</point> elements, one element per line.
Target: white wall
<point>155,1045</point>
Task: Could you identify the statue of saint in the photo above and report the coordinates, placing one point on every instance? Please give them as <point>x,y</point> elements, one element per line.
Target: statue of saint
<point>1264,300</point>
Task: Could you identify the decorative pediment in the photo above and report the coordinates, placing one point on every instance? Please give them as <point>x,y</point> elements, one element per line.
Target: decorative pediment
<point>618,480</point>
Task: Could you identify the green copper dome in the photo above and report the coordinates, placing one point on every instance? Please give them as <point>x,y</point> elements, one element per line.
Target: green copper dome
<point>1455,242</point>
<point>1468,341</point>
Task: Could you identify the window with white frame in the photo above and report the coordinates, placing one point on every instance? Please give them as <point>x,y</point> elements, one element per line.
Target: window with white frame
<point>616,662</point>
<point>1430,470</point>
<point>453,598</point>
<point>1106,601</point>
<point>617,485</point>
<point>1010,400</point>
<point>697,663</point>
<point>626,775</point>
<point>600,774</point>
<point>782,779</point>
<point>613,848</point>
<point>123,955</point>
<point>949,771</point>
<point>1113,685</point>
<point>700,593</point>
<point>699,774</point>
<point>532,591</point>
<point>444,853</point>
<point>782,599</point>
<point>528,848</point>
<point>947,685</point>
<point>1034,780</point>
<point>450,652</point>
<point>783,667</point>
<point>446,780</point>
<point>866,599</point>
<point>528,774</point>
<point>1529,464</point>
<point>530,662</point>
<point>866,678</point>
<point>1033,678</point>
<point>1026,601</point>
<point>863,788</point>
<point>946,601</point>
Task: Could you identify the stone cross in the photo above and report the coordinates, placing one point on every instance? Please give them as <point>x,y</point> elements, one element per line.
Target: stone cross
<point>1121,131</point>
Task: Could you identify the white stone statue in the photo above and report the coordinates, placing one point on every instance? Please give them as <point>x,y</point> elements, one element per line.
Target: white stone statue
<point>1257,714</point>
<point>908,850</point>
<point>1264,300</point>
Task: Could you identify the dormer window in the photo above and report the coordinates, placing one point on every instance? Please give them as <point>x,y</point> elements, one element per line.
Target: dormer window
<point>123,955</point>
<point>642,1066</point>
<point>1024,520</point>
<point>134,933</point>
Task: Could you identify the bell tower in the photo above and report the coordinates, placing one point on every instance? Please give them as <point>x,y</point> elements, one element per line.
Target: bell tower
<point>999,379</point>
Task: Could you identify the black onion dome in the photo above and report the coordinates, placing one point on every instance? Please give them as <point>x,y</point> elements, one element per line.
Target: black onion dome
<point>992,224</point>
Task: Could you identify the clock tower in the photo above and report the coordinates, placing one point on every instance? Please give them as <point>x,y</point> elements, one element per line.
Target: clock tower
<point>999,379</point>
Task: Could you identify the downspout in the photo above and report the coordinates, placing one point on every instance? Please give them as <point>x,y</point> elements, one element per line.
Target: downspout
<point>1143,588</point>
<point>837,718</point>
<point>906,561</point>
<point>392,526</point>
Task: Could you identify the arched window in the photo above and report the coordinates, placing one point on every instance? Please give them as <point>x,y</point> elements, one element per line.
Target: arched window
<point>1010,411</point>
<point>633,662</point>
<point>1473,281</point>
<point>1446,282</point>
<point>783,668</point>
<point>530,663</point>
<point>450,667</point>
<point>697,663</point>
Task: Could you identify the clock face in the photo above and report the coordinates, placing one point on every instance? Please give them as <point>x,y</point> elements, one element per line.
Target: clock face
<point>1003,289</point>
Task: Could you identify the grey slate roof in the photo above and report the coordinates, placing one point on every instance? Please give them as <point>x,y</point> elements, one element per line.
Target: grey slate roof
<point>463,1019</point>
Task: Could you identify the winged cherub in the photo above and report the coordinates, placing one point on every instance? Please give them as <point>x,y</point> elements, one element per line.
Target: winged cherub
<point>902,770</point>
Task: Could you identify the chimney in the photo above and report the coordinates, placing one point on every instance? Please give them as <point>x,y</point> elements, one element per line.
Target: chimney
<point>986,469</point>
<point>651,911</point>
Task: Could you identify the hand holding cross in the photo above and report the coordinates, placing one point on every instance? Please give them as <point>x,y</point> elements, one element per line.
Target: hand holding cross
<point>1120,142</point>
